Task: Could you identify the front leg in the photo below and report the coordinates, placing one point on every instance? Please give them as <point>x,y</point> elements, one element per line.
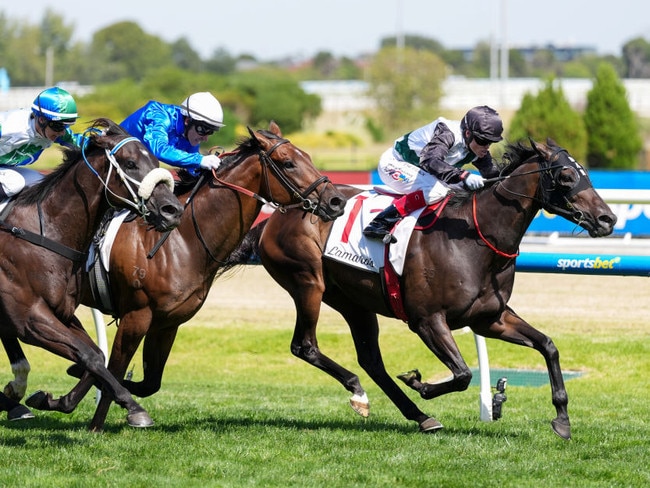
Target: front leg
<point>512,328</point>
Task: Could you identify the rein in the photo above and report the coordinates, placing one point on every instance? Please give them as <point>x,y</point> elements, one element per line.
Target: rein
<point>480,234</point>
<point>265,156</point>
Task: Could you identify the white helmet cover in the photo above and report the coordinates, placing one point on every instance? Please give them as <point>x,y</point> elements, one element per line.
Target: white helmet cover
<point>204,107</point>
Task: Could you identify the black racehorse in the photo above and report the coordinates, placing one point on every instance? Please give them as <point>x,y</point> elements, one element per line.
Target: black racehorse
<point>458,272</point>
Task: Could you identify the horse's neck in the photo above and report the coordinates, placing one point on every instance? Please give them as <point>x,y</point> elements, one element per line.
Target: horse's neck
<point>218,218</point>
<point>506,211</point>
<point>74,209</point>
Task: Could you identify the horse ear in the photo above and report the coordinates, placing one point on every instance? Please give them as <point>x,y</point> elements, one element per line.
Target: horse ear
<point>275,128</point>
<point>540,149</point>
<point>551,142</point>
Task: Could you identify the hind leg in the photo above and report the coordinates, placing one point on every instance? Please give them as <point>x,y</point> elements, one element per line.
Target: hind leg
<point>365,334</point>
<point>512,328</point>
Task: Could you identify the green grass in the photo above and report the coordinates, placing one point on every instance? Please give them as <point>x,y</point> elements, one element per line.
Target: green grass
<point>236,409</point>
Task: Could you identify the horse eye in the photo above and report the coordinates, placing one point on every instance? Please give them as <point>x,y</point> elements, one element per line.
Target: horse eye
<point>131,164</point>
<point>288,164</point>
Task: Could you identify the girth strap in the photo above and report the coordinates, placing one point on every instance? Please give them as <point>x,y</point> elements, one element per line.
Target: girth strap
<point>42,241</point>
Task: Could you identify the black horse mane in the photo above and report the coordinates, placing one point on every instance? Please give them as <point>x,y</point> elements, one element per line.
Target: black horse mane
<point>515,155</point>
<point>245,147</point>
<point>101,127</point>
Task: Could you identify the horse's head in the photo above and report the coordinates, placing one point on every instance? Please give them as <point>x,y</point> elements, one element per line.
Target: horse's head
<point>131,175</point>
<point>566,190</point>
<point>295,181</point>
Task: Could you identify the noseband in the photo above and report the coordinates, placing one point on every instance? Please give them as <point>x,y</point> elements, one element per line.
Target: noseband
<point>304,202</point>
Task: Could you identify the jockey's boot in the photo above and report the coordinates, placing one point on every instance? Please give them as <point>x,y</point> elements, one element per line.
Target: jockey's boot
<point>379,228</point>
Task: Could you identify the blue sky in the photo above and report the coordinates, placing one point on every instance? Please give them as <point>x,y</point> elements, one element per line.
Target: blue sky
<point>271,29</point>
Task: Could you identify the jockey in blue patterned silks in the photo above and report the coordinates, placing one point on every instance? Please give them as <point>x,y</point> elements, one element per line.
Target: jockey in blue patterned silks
<point>25,134</point>
<point>174,133</point>
<point>423,164</point>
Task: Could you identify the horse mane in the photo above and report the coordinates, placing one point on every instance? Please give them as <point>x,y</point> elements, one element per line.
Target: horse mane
<point>245,147</point>
<point>99,128</point>
<point>515,155</point>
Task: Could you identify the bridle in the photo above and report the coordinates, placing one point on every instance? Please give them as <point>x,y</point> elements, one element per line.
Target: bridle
<point>549,194</point>
<point>145,187</point>
<point>268,164</point>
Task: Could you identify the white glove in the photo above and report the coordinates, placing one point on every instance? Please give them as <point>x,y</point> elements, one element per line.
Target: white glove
<point>210,162</point>
<point>474,182</point>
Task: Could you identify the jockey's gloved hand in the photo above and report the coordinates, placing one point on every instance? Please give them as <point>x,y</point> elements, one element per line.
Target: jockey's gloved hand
<point>210,162</point>
<point>473,182</point>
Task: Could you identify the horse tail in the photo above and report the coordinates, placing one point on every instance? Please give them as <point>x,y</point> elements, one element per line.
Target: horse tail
<point>247,252</point>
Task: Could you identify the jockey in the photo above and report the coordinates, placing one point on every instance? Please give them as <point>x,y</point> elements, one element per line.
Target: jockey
<point>423,164</point>
<point>173,134</point>
<point>25,134</point>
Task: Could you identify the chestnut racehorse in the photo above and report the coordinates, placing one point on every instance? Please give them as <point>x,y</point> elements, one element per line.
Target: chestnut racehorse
<point>153,296</point>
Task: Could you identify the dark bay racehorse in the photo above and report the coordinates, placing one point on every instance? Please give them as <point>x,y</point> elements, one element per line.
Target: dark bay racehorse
<point>46,233</point>
<point>458,272</point>
<point>153,297</point>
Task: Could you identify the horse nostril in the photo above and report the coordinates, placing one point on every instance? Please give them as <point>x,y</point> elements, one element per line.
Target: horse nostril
<point>337,202</point>
<point>608,219</point>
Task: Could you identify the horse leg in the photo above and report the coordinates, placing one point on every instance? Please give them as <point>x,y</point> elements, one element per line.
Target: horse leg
<point>42,400</point>
<point>365,334</point>
<point>437,336</point>
<point>512,328</point>
<point>20,367</point>
<point>157,346</point>
<point>304,345</point>
<point>73,343</point>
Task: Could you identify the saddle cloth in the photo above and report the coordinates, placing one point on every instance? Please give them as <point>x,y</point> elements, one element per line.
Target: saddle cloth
<point>347,244</point>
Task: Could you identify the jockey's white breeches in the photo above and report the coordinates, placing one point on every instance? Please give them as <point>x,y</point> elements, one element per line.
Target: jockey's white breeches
<point>404,178</point>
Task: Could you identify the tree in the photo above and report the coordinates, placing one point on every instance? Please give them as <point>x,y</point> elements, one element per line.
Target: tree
<point>124,50</point>
<point>636,58</point>
<point>548,114</point>
<point>407,86</point>
<point>614,139</point>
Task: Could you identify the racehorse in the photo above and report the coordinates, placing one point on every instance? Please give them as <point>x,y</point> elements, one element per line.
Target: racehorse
<point>457,272</point>
<point>41,288</point>
<point>153,297</point>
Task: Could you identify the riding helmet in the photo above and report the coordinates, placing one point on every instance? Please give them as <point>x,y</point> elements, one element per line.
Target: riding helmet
<point>483,122</point>
<point>55,104</point>
<point>203,107</point>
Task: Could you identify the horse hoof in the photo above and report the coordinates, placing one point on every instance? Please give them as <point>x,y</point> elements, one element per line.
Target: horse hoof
<point>37,400</point>
<point>410,376</point>
<point>20,412</point>
<point>563,429</point>
<point>430,425</point>
<point>361,407</point>
<point>139,419</point>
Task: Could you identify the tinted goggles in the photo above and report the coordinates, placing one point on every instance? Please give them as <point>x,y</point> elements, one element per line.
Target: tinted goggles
<point>58,126</point>
<point>203,129</point>
<point>482,142</point>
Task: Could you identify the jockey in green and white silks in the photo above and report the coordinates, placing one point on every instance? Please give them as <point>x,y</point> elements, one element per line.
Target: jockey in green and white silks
<point>25,134</point>
<point>423,164</point>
